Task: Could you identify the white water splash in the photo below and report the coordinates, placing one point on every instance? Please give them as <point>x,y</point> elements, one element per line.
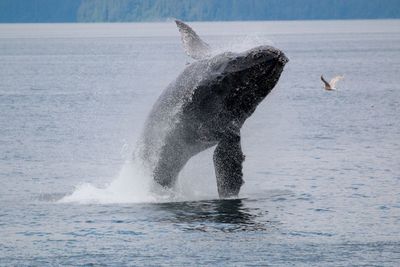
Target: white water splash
<point>134,185</point>
<point>131,185</point>
<point>241,43</point>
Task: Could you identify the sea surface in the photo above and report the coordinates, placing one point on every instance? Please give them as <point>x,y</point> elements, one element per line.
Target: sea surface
<point>322,169</point>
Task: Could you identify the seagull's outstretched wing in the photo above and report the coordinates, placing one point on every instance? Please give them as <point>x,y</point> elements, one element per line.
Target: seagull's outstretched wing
<point>327,85</point>
<point>193,45</point>
<point>335,80</point>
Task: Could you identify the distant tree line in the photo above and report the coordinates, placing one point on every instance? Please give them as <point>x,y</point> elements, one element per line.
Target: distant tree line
<point>193,10</point>
<point>39,10</point>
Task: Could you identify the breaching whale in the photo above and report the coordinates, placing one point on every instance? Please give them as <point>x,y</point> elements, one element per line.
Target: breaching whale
<point>206,106</point>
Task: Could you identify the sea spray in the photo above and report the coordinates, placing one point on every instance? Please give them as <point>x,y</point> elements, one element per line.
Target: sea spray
<point>241,43</point>
<point>134,185</point>
<point>130,186</point>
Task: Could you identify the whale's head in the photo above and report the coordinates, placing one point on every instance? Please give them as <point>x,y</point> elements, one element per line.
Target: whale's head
<point>257,63</point>
<point>244,79</point>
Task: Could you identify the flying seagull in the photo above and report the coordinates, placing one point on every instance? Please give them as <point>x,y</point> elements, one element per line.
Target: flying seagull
<point>331,85</point>
<point>193,45</point>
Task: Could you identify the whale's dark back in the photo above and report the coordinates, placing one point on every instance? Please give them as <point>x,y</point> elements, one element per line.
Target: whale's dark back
<point>209,99</point>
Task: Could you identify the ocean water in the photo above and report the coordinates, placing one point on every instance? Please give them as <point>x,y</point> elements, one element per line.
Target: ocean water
<point>322,169</point>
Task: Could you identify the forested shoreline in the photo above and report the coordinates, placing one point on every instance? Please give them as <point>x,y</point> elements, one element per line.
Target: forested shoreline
<point>193,10</point>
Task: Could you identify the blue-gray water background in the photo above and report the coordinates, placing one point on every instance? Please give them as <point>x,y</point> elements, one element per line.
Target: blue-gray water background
<point>322,169</point>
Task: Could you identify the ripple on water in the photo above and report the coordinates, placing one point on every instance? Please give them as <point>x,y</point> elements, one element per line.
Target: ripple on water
<point>229,215</point>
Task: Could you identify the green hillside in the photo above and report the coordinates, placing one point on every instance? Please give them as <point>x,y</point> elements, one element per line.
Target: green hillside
<point>193,10</point>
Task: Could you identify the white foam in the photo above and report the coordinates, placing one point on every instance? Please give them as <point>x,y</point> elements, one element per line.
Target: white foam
<point>130,186</point>
<point>133,185</point>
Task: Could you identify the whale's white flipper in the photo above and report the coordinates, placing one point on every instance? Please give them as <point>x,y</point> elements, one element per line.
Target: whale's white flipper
<point>193,45</point>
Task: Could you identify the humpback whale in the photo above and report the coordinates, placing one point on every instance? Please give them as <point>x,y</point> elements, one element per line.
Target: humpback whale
<point>206,106</point>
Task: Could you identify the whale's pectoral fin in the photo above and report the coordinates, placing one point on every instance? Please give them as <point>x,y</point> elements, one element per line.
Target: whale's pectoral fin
<point>171,160</point>
<point>192,43</point>
<point>228,159</point>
